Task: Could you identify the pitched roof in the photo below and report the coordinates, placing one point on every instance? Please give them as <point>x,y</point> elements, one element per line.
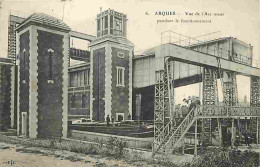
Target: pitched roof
<point>45,20</point>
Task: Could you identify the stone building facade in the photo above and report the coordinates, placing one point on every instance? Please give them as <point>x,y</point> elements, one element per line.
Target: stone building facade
<point>42,77</point>
<point>111,69</point>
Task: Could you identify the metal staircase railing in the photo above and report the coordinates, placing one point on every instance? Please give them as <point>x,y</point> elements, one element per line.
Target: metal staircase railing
<point>170,137</point>
<point>161,137</point>
<point>179,133</point>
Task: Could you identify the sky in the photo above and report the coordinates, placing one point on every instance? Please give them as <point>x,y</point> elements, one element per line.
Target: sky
<point>240,20</point>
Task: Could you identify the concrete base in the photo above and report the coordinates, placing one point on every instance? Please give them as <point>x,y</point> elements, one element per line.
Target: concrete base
<point>140,143</point>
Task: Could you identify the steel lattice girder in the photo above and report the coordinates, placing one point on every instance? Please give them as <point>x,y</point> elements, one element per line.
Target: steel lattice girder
<point>210,92</point>
<point>210,97</point>
<point>255,102</point>
<point>159,113</point>
<point>164,97</point>
<point>230,90</point>
<point>255,92</point>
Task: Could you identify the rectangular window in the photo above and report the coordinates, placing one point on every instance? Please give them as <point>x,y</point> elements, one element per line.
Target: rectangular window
<point>86,76</point>
<point>50,55</point>
<point>111,24</point>
<point>106,21</point>
<point>98,25</point>
<point>50,64</point>
<point>81,73</point>
<point>83,101</point>
<point>73,101</point>
<point>24,67</point>
<point>120,76</point>
<point>71,79</point>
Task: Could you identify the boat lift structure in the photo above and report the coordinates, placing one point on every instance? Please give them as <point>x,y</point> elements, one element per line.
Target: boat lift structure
<point>215,57</point>
<point>219,58</point>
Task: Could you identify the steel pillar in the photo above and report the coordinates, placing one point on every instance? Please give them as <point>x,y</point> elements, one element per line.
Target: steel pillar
<point>220,132</point>
<point>257,132</point>
<point>164,98</point>
<point>196,138</point>
<point>209,97</point>
<point>255,92</point>
<point>230,89</point>
<point>169,67</point>
<point>255,102</point>
<point>210,89</point>
<point>233,136</point>
<point>159,105</point>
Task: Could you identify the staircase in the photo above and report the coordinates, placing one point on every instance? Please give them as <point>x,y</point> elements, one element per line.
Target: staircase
<point>171,136</point>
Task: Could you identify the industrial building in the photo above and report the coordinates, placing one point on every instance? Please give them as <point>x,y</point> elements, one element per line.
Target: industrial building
<point>42,91</point>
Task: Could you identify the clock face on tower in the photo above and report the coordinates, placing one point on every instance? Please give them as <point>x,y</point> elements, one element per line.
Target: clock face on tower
<point>118,25</point>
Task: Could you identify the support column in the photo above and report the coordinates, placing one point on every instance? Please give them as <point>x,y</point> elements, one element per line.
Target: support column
<point>220,132</point>
<point>233,134</point>
<point>230,89</point>
<point>196,138</point>
<point>257,130</point>
<point>210,97</point>
<point>255,102</point>
<point>255,92</point>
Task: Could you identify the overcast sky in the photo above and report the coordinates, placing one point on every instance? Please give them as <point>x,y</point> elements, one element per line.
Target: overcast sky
<point>240,20</point>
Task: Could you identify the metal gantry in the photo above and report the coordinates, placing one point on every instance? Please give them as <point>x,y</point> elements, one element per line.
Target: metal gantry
<point>164,99</point>
<point>210,97</point>
<point>211,113</point>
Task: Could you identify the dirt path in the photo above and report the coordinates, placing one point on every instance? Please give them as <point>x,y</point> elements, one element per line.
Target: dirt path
<point>20,156</point>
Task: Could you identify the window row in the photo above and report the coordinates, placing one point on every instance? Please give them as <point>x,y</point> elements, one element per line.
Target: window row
<point>79,78</point>
<point>83,101</point>
<point>117,25</point>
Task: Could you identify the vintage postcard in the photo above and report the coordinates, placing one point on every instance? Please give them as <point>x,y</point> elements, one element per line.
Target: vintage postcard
<point>129,83</point>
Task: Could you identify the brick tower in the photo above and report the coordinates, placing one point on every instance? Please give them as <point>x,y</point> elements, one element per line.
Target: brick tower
<point>111,68</point>
<point>43,43</point>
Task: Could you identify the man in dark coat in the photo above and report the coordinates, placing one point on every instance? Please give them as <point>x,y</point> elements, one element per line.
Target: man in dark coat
<point>108,120</point>
<point>247,139</point>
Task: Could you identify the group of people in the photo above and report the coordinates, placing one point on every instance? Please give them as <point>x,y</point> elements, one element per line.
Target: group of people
<point>237,141</point>
<point>181,110</point>
<point>108,120</point>
<point>113,119</point>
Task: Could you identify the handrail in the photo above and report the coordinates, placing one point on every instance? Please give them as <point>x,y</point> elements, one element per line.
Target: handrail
<point>183,126</point>
<point>192,43</point>
<point>200,110</point>
<point>226,111</point>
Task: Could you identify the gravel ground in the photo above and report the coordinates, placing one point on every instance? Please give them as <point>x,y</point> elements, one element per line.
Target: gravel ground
<point>20,156</point>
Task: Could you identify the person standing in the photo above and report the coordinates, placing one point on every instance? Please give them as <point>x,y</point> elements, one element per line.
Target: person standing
<point>108,120</point>
<point>247,139</point>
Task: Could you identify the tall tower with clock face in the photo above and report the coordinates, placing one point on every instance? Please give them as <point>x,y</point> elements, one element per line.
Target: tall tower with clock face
<point>111,68</point>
